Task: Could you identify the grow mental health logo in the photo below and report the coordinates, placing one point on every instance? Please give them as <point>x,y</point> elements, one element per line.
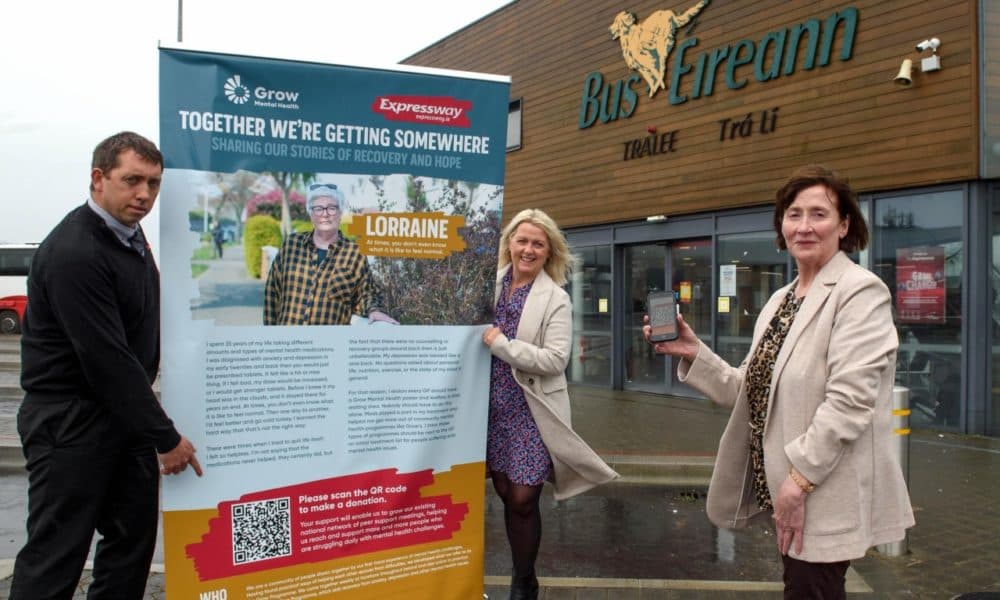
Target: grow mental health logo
<point>236,92</point>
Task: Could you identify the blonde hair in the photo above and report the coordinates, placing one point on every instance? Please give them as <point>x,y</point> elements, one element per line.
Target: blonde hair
<point>560,263</point>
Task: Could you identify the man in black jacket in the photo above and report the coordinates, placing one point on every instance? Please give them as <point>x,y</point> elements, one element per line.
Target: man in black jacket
<point>91,427</point>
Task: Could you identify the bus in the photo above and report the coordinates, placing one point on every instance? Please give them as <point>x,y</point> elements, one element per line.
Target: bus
<point>15,259</point>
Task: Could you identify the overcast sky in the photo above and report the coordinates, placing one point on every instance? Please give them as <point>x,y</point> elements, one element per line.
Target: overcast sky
<point>75,72</point>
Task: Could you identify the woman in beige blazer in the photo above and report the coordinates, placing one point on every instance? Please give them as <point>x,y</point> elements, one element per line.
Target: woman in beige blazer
<point>809,438</point>
<point>530,439</point>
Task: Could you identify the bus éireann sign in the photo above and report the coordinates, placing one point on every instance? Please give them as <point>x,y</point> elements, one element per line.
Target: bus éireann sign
<point>647,46</point>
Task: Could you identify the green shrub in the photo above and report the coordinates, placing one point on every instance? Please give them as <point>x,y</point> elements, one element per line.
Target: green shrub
<point>259,231</point>
<point>300,226</point>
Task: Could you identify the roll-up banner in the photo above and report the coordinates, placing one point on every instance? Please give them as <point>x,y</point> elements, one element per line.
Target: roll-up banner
<point>344,458</point>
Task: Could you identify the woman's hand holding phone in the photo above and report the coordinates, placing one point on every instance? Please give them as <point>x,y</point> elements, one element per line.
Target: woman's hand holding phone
<point>684,346</point>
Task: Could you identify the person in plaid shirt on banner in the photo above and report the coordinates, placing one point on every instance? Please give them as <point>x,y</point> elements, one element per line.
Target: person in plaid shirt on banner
<point>319,277</point>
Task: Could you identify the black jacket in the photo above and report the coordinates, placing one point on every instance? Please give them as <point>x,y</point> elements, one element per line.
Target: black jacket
<point>92,326</point>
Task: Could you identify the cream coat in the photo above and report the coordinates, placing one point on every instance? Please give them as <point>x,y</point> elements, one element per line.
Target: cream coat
<point>830,416</point>
<point>538,357</point>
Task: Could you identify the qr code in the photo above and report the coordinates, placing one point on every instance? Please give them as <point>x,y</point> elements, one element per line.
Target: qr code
<point>261,530</point>
<point>660,312</point>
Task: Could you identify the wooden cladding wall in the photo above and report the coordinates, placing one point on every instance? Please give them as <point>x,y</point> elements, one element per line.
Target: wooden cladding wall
<point>991,81</point>
<point>848,114</point>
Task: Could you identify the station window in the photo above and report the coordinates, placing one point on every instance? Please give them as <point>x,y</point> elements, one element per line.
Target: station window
<point>917,251</point>
<point>514,125</point>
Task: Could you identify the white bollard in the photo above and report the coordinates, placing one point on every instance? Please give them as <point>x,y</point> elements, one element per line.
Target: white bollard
<point>901,446</point>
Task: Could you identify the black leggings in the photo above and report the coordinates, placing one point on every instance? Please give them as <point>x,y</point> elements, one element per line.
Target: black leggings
<point>814,581</point>
<point>522,519</point>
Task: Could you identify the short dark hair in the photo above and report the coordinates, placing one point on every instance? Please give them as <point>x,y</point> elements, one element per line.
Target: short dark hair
<point>847,204</point>
<point>107,152</point>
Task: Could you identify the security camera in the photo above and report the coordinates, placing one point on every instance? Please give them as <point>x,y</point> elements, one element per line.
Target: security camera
<point>932,44</point>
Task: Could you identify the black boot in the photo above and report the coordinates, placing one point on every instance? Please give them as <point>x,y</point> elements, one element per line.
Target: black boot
<point>523,587</point>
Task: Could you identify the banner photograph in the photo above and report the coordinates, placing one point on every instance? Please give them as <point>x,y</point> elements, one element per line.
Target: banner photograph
<point>347,458</point>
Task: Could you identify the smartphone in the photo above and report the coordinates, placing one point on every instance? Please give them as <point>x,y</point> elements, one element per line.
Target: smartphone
<point>662,316</point>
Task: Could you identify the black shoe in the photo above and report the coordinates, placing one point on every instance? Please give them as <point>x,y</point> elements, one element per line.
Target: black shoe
<point>523,587</point>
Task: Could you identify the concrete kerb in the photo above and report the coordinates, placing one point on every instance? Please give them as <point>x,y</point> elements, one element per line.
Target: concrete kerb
<point>7,567</point>
<point>11,457</point>
<point>665,470</point>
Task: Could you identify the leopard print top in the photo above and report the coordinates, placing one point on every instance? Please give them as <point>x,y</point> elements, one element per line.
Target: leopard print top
<point>758,383</point>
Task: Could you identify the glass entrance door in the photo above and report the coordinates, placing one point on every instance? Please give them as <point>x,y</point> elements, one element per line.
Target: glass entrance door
<point>691,266</point>
<point>683,266</point>
<point>751,268</point>
<point>645,272</point>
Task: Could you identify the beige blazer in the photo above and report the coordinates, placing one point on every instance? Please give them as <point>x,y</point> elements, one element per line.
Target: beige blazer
<point>538,357</point>
<point>830,415</point>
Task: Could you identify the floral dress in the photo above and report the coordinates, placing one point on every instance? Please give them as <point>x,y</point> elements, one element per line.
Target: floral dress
<point>758,376</point>
<point>514,445</point>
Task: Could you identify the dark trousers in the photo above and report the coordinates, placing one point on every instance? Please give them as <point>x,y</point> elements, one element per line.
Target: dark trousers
<point>814,581</point>
<point>84,475</point>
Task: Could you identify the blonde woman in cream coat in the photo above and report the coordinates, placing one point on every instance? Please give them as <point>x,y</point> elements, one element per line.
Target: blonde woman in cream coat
<point>808,441</point>
<point>530,439</point>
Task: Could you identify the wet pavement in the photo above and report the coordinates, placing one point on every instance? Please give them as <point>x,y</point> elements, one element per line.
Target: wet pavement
<point>638,532</point>
<point>647,537</point>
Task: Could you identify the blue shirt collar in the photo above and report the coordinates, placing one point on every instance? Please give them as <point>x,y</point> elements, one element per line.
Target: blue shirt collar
<point>124,232</point>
